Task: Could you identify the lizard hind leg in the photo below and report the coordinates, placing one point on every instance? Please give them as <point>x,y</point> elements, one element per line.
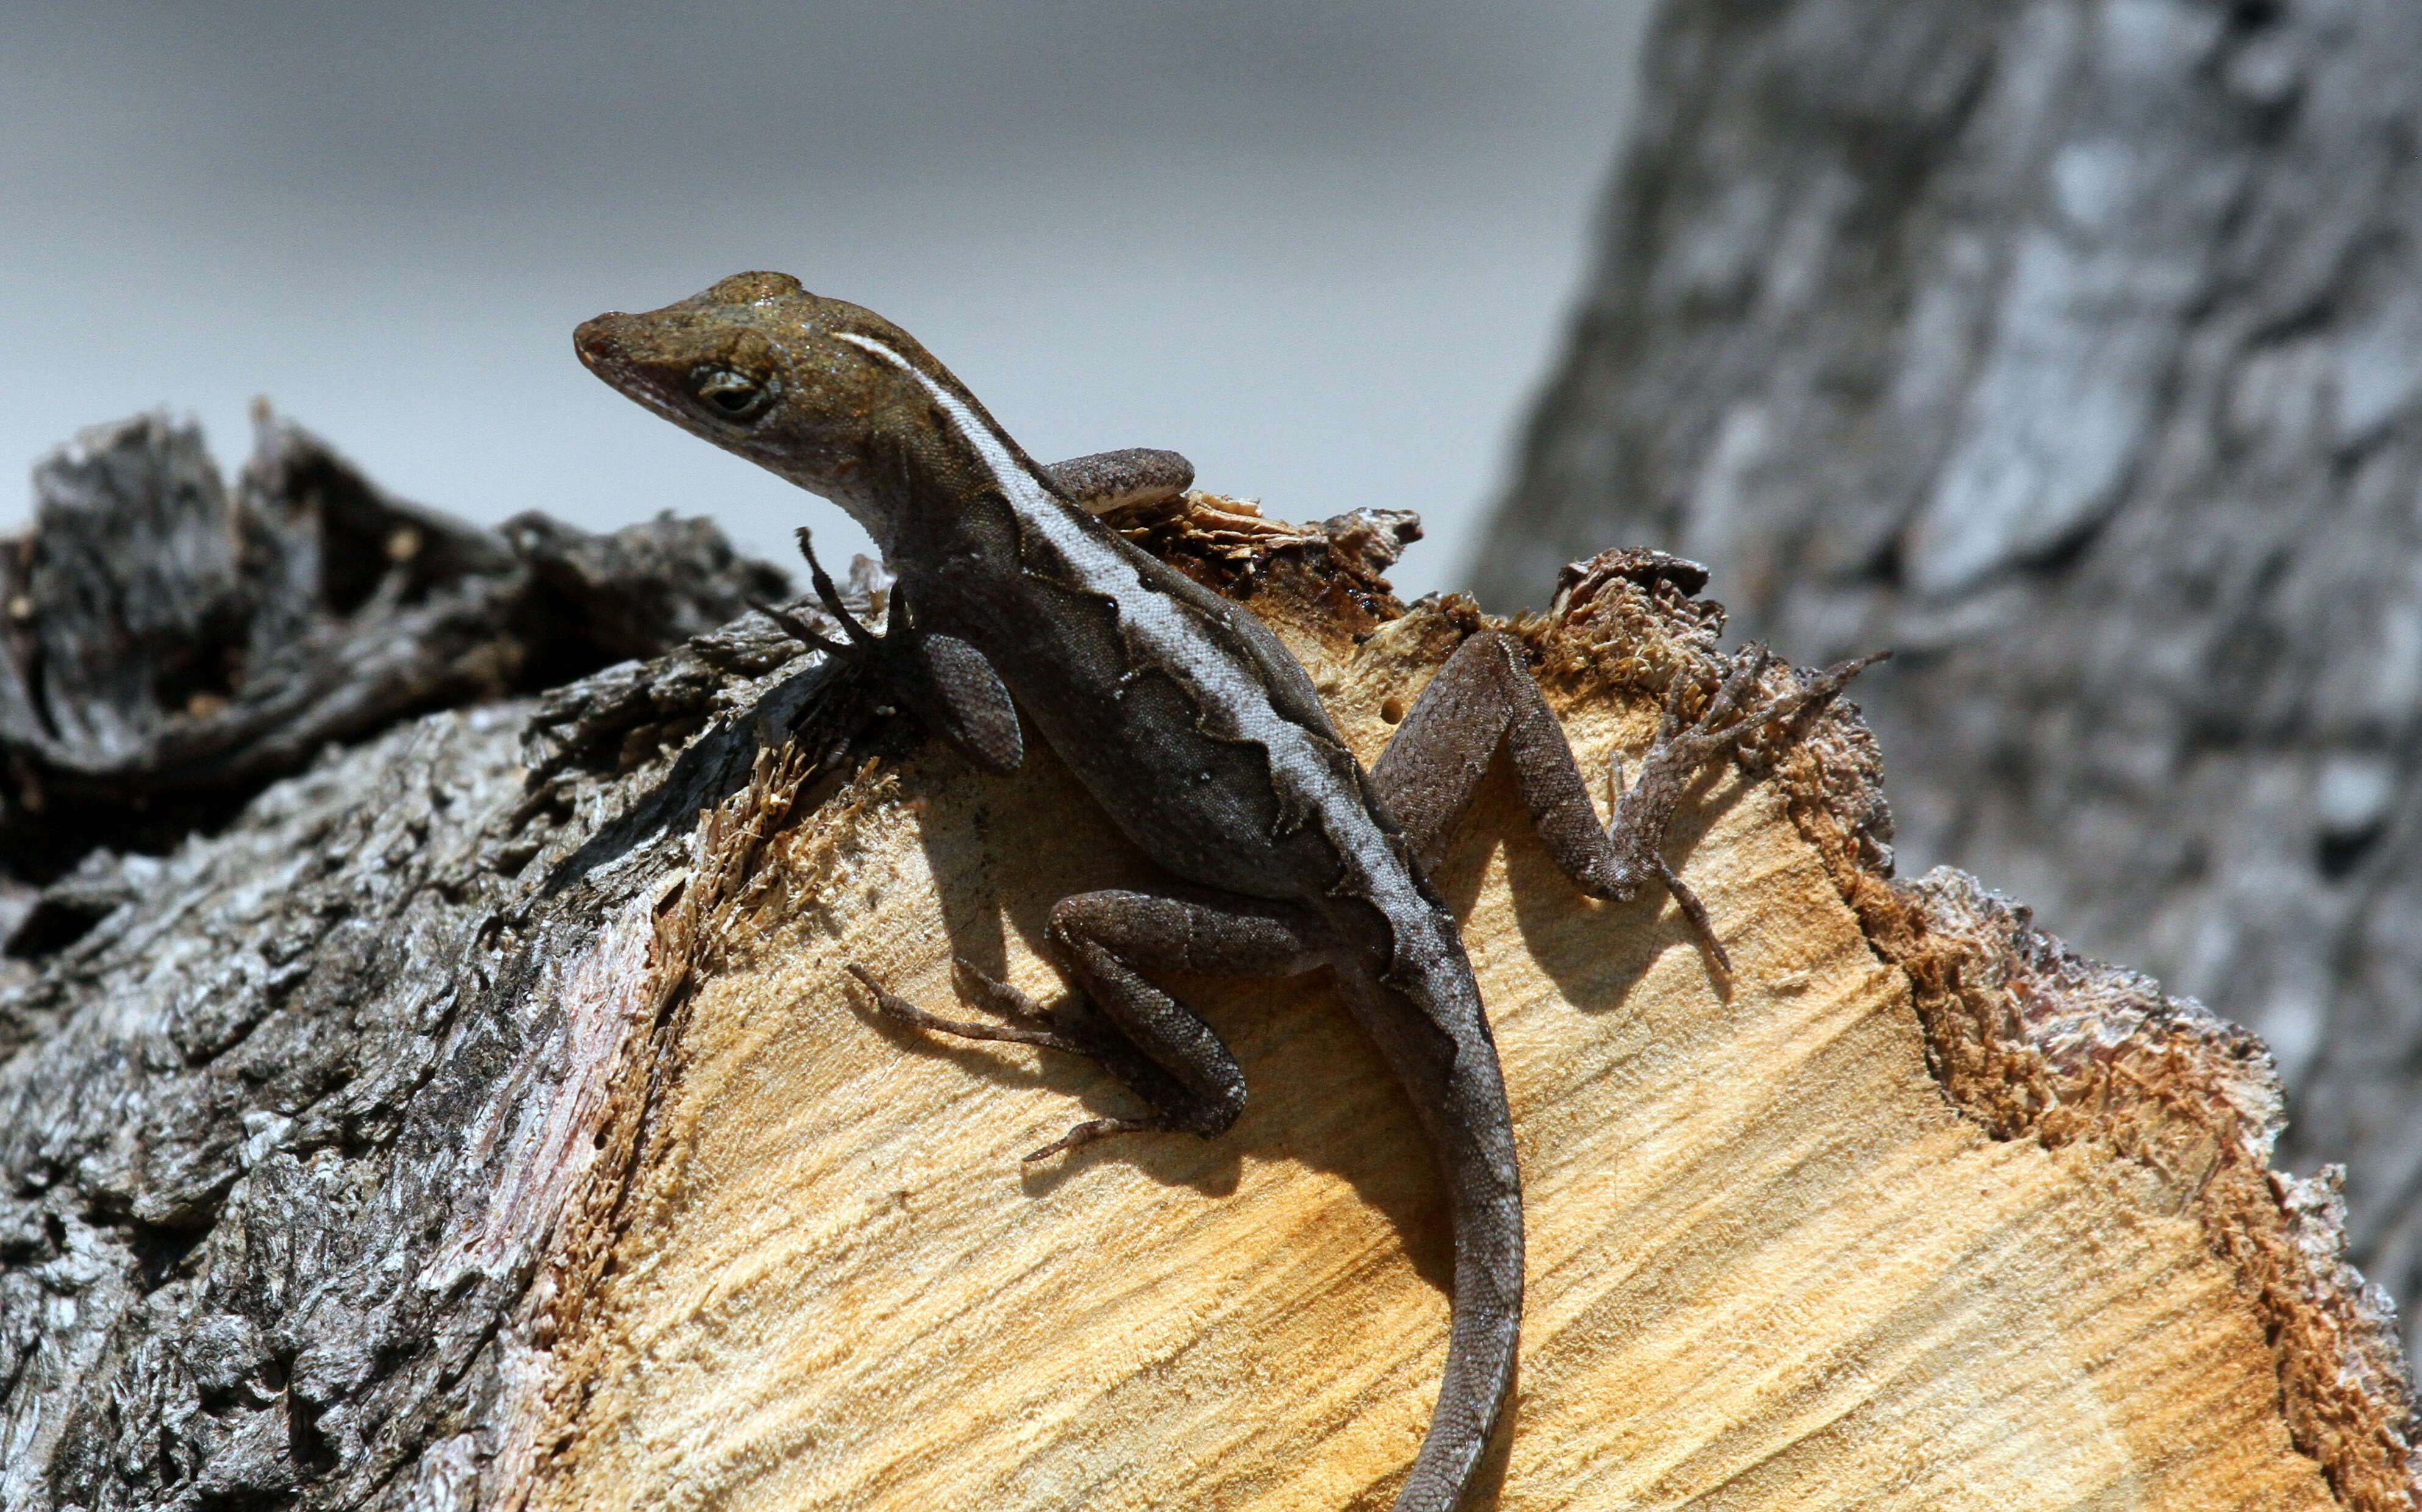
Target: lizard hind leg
<point>1162,1050</point>
<point>1484,696</point>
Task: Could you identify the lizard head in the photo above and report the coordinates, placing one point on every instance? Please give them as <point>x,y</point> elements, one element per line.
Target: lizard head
<point>821,391</point>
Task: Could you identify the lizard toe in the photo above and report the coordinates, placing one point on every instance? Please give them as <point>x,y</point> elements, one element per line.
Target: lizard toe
<point>893,1006</point>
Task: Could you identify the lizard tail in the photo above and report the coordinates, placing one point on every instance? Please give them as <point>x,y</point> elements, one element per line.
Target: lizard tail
<point>1485,1195</point>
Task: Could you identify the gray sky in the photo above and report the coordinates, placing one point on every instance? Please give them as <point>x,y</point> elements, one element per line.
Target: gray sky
<point>1325,249</point>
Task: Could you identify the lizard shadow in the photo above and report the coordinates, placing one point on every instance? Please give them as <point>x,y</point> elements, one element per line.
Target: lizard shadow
<point>1001,852</point>
<point>1594,951</point>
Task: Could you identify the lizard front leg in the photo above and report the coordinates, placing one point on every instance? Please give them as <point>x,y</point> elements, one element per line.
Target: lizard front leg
<point>1484,696</point>
<point>948,684</point>
<point>1105,942</point>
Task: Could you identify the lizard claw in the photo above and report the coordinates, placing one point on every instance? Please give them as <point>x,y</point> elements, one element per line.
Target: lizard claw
<point>1696,912</point>
<point>1096,1129</point>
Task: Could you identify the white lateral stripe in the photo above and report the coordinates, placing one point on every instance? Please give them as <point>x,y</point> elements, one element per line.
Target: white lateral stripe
<point>1155,619</point>
<point>995,456</point>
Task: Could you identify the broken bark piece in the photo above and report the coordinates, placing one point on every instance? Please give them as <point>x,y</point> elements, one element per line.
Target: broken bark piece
<point>567,1171</point>
<point>2036,1044</point>
<point>170,645</point>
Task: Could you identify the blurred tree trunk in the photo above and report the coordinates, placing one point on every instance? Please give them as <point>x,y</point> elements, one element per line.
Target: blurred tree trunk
<point>2073,347</point>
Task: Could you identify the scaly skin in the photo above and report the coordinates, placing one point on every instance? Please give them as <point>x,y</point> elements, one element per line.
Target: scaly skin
<point>1188,722</point>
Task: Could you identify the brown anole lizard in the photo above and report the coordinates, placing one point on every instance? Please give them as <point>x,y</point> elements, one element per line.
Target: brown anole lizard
<point>1202,740</point>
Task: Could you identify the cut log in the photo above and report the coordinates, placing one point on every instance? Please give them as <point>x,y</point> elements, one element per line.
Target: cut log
<point>451,1134</point>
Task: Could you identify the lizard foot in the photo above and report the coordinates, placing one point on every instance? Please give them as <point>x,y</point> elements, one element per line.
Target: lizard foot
<point>1090,1129</point>
<point>1074,1025</point>
<point>860,638</point>
<point>1027,1030</point>
<point>1031,1023</point>
<point>1684,746</point>
<point>1730,717</point>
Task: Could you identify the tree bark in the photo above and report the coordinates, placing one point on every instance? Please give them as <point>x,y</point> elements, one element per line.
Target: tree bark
<point>171,645</point>
<point>2072,348</point>
<point>481,1119</point>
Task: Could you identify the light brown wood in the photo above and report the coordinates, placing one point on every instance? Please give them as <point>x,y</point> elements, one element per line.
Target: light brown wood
<point>1772,1262</point>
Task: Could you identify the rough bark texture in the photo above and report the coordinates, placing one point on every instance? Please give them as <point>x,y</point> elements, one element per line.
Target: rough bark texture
<point>171,646</point>
<point>2073,347</point>
<point>479,1120</point>
<point>266,1158</point>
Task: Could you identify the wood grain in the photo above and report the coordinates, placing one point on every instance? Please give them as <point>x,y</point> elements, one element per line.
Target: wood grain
<point>1770,1265</point>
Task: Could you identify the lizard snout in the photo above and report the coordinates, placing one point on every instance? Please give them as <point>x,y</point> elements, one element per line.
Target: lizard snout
<point>600,341</point>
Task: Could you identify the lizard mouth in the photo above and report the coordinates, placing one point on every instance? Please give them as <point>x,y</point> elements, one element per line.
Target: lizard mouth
<point>605,351</point>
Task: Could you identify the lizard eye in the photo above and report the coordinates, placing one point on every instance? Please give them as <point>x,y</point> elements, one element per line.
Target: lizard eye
<point>732,396</point>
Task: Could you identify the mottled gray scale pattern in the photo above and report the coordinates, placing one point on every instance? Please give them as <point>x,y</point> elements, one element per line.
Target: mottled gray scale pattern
<point>256,1126</point>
